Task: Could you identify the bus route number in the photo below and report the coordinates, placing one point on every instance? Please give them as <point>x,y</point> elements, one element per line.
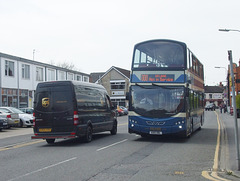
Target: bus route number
<point>157,77</point>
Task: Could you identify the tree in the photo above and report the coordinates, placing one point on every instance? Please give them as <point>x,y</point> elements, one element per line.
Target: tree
<point>65,65</point>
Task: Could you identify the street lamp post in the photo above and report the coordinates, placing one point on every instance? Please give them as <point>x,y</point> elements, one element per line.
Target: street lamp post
<point>225,70</point>
<point>234,100</point>
<point>234,107</point>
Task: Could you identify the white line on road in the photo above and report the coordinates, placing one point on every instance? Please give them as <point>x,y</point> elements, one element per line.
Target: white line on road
<point>44,168</point>
<point>111,145</point>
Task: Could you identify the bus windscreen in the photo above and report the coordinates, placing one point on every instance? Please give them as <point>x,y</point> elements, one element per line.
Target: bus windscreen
<point>158,54</point>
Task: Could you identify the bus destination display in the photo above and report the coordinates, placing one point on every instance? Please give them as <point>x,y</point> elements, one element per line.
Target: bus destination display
<point>157,77</point>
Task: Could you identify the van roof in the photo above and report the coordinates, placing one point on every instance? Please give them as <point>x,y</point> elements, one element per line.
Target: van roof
<point>87,84</point>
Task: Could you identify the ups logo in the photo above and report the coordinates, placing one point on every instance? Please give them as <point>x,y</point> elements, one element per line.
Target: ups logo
<point>45,102</point>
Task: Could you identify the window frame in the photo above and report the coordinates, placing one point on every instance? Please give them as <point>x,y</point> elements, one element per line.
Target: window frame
<point>9,68</point>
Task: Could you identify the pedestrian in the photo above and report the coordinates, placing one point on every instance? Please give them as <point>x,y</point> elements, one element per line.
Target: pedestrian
<point>224,107</point>
<point>221,107</point>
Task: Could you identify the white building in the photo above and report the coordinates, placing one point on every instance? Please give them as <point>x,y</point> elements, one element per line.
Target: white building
<point>214,94</point>
<point>19,78</point>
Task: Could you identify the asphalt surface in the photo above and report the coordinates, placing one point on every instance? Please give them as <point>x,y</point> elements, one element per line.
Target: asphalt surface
<point>141,154</point>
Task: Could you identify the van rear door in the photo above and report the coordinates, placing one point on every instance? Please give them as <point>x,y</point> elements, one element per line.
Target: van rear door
<point>54,108</point>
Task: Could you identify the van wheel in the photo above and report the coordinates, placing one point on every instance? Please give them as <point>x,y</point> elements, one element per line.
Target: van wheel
<point>114,129</point>
<point>88,136</point>
<point>50,141</point>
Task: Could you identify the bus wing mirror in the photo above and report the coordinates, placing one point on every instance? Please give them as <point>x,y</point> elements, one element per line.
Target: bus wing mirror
<point>127,95</point>
<point>187,92</point>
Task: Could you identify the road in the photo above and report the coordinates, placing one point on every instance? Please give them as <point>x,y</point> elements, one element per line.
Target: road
<point>110,157</point>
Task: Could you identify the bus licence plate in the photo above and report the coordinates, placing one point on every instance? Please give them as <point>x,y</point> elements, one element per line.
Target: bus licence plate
<point>156,132</point>
<point>45,129</point>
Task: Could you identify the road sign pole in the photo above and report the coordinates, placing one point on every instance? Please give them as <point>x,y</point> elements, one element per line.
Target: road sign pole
<point>234,108</point>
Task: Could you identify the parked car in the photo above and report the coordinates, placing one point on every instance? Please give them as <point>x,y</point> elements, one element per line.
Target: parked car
<point>12,118</point>
<point>27,110</point>
<point>210,107</point>
<point>119,112</point>
<point>3,123</point>
<point>125,110</point>
<point>25,119</point>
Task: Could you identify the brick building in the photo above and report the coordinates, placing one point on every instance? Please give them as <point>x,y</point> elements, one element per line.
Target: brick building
<point>236,71</point>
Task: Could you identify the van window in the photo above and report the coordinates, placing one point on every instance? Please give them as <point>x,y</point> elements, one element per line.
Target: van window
<point>57,98</point>
<point>88,98</point>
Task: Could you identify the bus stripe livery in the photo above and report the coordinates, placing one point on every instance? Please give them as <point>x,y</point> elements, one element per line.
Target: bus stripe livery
<point>166,89</point>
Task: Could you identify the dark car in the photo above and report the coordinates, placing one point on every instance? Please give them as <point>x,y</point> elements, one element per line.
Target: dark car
<point>3,123</point>
<point>210,107</point>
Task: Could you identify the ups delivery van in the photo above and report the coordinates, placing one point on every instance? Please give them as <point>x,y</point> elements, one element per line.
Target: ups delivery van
<point>72,109</point>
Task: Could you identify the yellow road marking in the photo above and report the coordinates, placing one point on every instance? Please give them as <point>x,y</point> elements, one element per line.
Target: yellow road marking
<point>214,176</point>
<point>31,143</point>
<point>215,165</point>
<point>179,172</point>
<point>122,124</point>
<point>20,145</point>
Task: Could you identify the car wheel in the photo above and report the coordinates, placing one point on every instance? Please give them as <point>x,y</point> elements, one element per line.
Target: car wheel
<point>21,123</point>
<point>114,129</point>
<point>88,136</point>
<point>50,141</point>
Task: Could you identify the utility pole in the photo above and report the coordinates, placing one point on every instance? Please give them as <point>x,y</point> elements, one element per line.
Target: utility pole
<point>33,53</point>
<point>234,108</point>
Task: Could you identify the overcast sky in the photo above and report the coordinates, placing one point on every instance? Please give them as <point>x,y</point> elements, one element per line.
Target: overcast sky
<point>97,34</point>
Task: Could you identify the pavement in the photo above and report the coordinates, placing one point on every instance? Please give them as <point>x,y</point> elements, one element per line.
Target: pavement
<point>228,149</point>
<point>15,131</point>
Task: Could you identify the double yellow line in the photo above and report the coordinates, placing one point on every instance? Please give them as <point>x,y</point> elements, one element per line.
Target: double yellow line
<point>213,174</point>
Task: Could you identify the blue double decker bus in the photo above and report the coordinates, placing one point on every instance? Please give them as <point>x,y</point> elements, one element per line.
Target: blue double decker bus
<point>166,92</point>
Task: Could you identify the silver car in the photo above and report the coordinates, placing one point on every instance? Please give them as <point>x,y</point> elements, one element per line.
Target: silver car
<point>12,118</point>
<point>27,110</point>
<point>25,119</point>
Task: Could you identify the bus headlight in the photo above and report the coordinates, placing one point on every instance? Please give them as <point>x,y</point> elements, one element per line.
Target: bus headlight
<point>132,122</point>
<point>179,122</point>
